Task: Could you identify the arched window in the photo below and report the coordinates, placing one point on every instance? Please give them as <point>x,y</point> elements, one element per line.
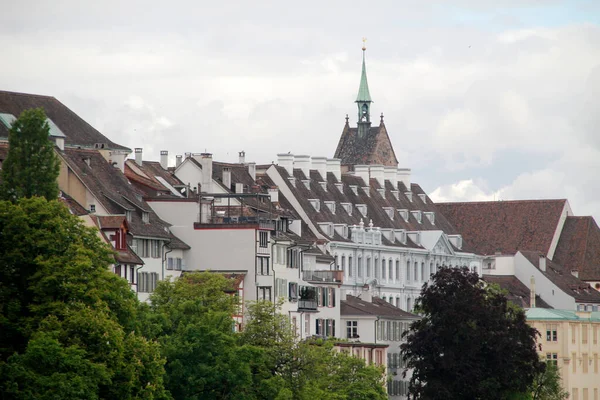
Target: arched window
<point>391,270</point>
<point>398,270</point>
<point>350,265</point>
<point>368,275</point>
<point>384,298</point>
<point>359,267</point>
<point>343,263</point>
<point>416,275</point>
<point>376,268</point>
<point>408,304</point>
<point>383,269</point>
<point>423,274</point>
<point>408,271</point>
<point>398,302</point>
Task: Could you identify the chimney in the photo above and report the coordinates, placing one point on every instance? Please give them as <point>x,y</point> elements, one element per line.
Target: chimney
<point>164,159</point>
<point>286,161</point>
<point>138,156</point>
<point>542,263</point>
<point>404,177</point>
<point>303,164</point>
<point>334,165</point>
<point>532,292</point>
<point>178,159</point>
<point>207,170</point>
<point>391,174</point>
<point>242,157</point>
<point>274,193</point>
<point>362,171</point>
<point>252,170</point>
<point>227,177</point>
<point>377,172</point>
<point>320,164</point>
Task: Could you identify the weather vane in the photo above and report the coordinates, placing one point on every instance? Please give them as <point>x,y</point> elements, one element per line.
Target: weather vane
<point>364,44</point>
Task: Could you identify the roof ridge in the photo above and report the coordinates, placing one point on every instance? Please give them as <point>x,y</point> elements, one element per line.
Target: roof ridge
<point>28,94</point>
<point>498,201</point>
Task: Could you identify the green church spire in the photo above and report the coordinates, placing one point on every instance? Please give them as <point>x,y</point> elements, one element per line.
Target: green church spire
<point>363,100</point>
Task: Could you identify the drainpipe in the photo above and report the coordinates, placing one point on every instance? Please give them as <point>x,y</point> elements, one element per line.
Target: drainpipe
<point>164,258</point>
<point>376,325</point>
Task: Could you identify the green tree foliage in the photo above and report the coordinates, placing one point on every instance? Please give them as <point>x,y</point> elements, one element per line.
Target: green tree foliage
<point>31,167</point>
<point>56,291</point>
<point>547,385</point>
<point>469,343</point>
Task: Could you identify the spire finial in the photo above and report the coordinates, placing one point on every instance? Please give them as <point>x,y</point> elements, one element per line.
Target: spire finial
<point>347,119</point>
<point>381,118</point>
<point>364,44</point>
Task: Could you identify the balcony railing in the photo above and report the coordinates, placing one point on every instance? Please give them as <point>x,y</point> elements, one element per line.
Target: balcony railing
<point>307,305</point>
<point>323,276</point>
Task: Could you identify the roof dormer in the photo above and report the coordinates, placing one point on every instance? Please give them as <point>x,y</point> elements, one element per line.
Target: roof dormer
<point>331,205</point>
<point>418,215</point>
<point>316,204</point>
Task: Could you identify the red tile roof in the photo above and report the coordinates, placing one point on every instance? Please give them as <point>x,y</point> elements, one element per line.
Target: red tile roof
<point>579,247</point>
<point>505,226</point>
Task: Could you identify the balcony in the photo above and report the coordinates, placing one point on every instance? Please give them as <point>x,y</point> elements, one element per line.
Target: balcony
<point>307,305</point>
<point>336,277</point>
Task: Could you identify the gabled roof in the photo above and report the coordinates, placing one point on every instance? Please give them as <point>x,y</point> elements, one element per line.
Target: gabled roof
<point>518,293</point>
<point>77,131</point>
<point>374,148</point>
<point>152,178</point>
<point>581,291</point>
<point>579,247</point>
<point>75,208</point>
<point>377,308</point>
<point>505,226</point>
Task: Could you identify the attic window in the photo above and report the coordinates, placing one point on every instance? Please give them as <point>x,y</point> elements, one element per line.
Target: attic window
<point>327,228</point>
<point>92,208</point>
<point>323,185</point>
<point>423,197</point>
<point>128,215</point>
<point>306,183</point>
<point>418,215</point>
<point>145,217</point>
<point>389,211</point>
<point>292,181</point>
<point>367,190</point>
<point>354,189</point>
<point>316,203</point>
<point>403,213</point>
<point>341,229</point>
<point>400,235</point>
<point>331,206</point>
<point>408,196</point>
<point>396,194</point>
<point>340,187</point>
<point>347,207</point>
<point>362,208</point>
<point>430,216</point>
<point>381,192</point>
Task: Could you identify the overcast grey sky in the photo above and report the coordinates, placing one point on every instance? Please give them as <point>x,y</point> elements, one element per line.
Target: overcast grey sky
<point>482,99</point>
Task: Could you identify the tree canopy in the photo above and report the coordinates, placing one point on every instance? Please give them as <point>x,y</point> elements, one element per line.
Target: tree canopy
<point>31,167</point>
<point>469,343</point>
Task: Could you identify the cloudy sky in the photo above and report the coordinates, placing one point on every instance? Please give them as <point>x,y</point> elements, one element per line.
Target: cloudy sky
<point>483,99</point>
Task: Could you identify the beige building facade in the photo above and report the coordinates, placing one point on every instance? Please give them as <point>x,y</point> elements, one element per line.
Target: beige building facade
<point>570,340</point>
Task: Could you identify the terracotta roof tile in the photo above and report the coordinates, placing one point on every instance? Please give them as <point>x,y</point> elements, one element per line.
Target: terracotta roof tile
<point>579,247</point>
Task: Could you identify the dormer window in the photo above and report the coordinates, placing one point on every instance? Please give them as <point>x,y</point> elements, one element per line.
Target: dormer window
<point>327,228</point>
<point>354,189</point>
<point>408,196</point>
<point>92,208</point>
<point>316,203</point>
<point>306,183</point>
<point>292,181</point>
<point>396,194</point>
<point>341,229</point>
<point>367,190</point>
<point>323,185</point>
<point>456,241</point>
<point>146,217</point>
<point>331,206</point>
<point>418,215</point>
<point>389,211</point>
<point>347,207</point>
<point>403,213</point>
<point>400,235</point>
<point>362,208</point>
<point>340,187</point>
<point>381,192</point>
<point>423,197</point>
<point>430,216</point>
<point>128,215</point>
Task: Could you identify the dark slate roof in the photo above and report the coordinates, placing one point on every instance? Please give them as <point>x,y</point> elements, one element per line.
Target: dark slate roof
<point>579,247</point>
<point>378,308</point>
<point>78,132</point>
<point>177,243</point>
<point>561,277</point>
<point>374,202</point>
<point>112,189</point>
<point>518,293</point>
<point>374,148</point>
<point>505,226</point>
<point>75,208</point>
<point>144,177</point>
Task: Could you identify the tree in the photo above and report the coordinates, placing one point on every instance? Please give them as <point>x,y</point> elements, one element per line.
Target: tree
<point>469,343</point>
<point>547,385</point>
<point>56,292</point>
<point>31,167</point>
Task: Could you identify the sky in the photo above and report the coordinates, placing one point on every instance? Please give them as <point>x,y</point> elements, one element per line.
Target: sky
<point>483,99</point>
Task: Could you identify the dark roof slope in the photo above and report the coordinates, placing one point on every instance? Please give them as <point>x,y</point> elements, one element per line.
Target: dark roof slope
<point>145,178</point>
<point>561,277</point>
<point>77,131</point>
<point>518,293</point>
<point>374,148</point>
<point>505,226</point>
<point>378,308</point>
<point>579,247</point>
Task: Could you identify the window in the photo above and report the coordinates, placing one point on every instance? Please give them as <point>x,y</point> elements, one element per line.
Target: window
<point>552,358</point>
<point>551,332</point>
<point>595,333</point>
<point>383,270</point>
<point>573,333</point>
<point>170,263</point>
<point>416,275</point>
<point>145,217</point>
<point>92,208</point>
<point>595,363</point>
<point>155,248</point>
<point>359,267</point>
<point>178,264</point>
<point>263,239</point>
<point>331,297</point>
<point>585,363</point>
<point>375,268</point>
<point>423,275</point>
<point>575,394</point>
<point>368,273</point>
<point>343,263</point>
<point>262,266</point>
<point>118,270</point>
<point>307,324</point>
<point>147,281</point>
<point>293,291</point>
<point>574,362</point>
<point>351,329</point>
<point>584,334</point>
<point>398,270</point>
<point>350,266</point>
<point>131,274</point>
<point>408,272</point>
<point>325,327</point>
<point>264,293</point>
<point>391,270</point>
<point>408,304</point>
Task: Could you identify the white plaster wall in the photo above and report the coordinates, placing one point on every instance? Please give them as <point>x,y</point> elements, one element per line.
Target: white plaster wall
<point>566,212</point>
<point>505,265</point>
<point>189,173</point>
<point>366,327</point>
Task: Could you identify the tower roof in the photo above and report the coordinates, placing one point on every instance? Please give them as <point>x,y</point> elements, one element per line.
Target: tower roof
<point>363,89</point>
